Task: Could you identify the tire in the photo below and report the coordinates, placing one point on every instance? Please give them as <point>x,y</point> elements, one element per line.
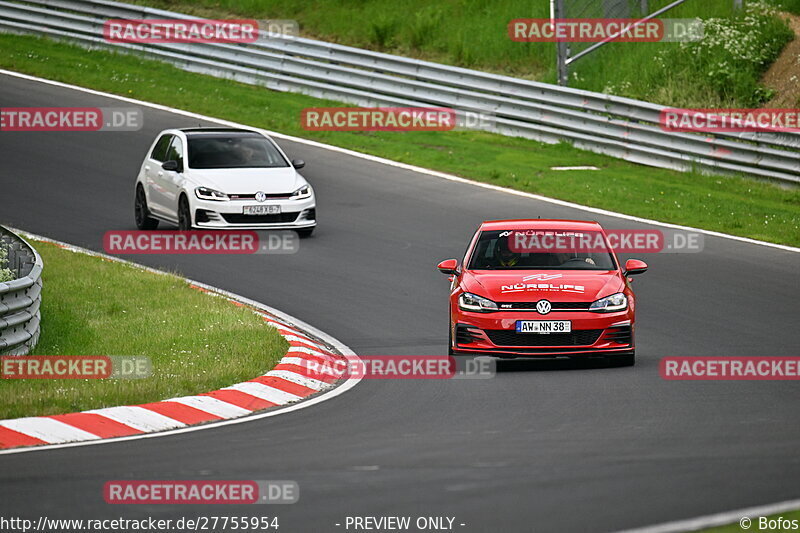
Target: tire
<point>184,215</point>
<point>305,232</point>
<point>141,213</point>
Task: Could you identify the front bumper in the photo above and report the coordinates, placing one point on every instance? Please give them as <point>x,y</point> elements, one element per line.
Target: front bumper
<point>495,334</point>
<point>295,214</point>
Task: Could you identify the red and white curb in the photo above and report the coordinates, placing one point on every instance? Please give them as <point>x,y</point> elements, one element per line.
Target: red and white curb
<point>309,368</point>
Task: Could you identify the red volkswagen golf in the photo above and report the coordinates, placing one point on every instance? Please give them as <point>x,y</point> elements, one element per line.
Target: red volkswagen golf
<point>532,288</point>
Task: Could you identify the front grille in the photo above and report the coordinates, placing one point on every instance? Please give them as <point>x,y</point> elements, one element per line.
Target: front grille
<point>557,306</point>
<point>509,337</point>
<point>283,218</point>
<point>621,335</point>
<point>282,195</point>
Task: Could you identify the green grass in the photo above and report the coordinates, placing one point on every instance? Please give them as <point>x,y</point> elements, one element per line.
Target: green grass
<point>733,205</point>
<point>722,71</point>
<point>91,306</point>
<point>754,527</point>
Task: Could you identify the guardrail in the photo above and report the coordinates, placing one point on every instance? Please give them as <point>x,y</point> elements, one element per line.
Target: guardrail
<point>20,298</point>
<point>616,126</point>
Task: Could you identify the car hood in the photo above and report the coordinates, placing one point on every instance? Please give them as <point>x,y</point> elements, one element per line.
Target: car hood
<point>249,180</point>
<point>532,285</point>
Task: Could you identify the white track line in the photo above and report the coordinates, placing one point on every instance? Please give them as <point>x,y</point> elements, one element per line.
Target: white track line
<point>412,168</point>
<point>720,519</point>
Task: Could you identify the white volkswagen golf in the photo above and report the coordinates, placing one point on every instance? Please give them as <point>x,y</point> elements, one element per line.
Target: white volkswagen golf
<point>222,178</point>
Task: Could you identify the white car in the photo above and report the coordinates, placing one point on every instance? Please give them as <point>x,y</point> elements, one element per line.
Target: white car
<point>222,178</point>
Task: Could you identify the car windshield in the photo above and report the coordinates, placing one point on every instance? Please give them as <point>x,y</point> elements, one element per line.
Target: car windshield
<point>233,151</point>
<point>541,250</point>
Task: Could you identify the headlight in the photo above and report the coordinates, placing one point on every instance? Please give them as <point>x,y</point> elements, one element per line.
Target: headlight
<point>472,302</point>
<point>301,193</point>
<point>204,193</point>
<point>615,302</point>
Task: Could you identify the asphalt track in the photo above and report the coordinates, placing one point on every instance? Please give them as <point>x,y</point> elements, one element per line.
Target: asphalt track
<point>538,448</point>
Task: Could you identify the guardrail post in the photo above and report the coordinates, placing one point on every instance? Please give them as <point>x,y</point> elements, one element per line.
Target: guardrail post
<point>562,51</point>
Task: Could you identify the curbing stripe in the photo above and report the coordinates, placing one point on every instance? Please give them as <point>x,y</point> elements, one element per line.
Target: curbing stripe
<point>138,417</point>
<point>259,390</point>
<point>307,372</point>
<point>212,405</point>
<point>297,378</point>
<point>48,430</point>
<point>96,424</point>
<point>12,439</point>
<point>181,413</point>
<point>240,399</point>
<point>284,385</point>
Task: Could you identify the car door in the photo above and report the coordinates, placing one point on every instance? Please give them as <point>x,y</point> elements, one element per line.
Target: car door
<point>172,181</point>
<point>154,177</point>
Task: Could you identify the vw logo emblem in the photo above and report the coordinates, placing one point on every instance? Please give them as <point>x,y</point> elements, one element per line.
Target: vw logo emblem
<point>543,307</point>
<point>261,196</point>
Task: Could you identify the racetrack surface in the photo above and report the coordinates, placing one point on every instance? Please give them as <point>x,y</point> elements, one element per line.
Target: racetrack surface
<point>538,448</point>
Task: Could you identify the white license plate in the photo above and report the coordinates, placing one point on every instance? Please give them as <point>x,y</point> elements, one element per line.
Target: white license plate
<point>544,326</point>
<point>262,210</point>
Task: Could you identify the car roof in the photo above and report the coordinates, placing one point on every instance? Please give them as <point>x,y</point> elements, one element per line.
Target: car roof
<point>541,223</point>
<point>194,131</point>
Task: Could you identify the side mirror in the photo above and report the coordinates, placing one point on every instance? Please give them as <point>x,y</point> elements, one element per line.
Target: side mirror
<point>448,266</point>
<point>298,163</point>
<point>172,166</point>
<point>634,266</point>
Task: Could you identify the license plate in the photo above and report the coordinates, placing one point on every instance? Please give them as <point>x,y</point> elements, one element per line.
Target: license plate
<point>544,326</point>
<point>262,210</point>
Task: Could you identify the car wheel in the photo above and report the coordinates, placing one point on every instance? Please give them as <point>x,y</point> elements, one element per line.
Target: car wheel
<point>305,233</point>
<point>141,213</point>
<point>184,215</point>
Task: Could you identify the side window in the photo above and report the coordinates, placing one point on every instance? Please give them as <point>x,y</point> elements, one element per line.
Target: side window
<point>175,152</point>
<point>160,149</point>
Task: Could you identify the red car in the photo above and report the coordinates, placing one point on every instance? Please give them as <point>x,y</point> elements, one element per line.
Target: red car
<point>533,288</point>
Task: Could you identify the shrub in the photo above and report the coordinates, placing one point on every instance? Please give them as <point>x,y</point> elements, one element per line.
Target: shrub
<point>5,273</point>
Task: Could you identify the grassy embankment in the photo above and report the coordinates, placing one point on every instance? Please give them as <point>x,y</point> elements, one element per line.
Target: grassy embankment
<point>91,306</point>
